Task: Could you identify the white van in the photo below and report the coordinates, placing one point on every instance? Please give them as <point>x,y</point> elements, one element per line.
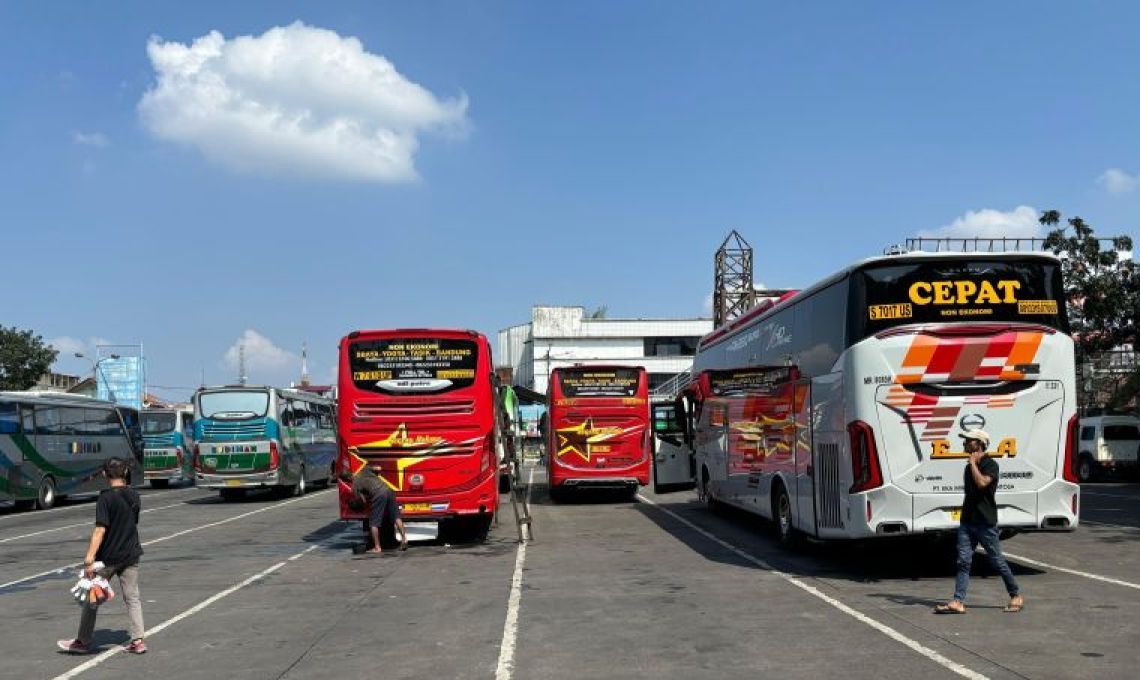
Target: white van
<point>1108,443</point>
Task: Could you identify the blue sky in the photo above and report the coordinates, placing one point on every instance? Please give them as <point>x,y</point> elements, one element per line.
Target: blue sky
<point>573,153</point>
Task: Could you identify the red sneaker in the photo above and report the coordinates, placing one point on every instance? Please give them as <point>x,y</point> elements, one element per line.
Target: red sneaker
<point>136,647</point>
<point>74,646</point>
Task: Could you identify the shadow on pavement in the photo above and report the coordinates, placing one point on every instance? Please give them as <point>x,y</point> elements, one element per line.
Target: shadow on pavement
<point>867,561</point>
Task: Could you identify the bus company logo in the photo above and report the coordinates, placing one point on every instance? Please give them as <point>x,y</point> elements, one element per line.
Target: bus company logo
<point>778,336</point>
<point>584,439</point>
<point>744,340</point>
<point>236,448</point>
<point>964,292</point>
<point>972,421</point>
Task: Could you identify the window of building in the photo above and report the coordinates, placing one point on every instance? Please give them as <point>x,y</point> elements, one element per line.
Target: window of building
<point>666,346</point>
<point>658,379</point>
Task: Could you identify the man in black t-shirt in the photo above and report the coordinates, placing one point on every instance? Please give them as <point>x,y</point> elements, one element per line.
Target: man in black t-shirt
<point>979,524</point>
<point>115,543</point>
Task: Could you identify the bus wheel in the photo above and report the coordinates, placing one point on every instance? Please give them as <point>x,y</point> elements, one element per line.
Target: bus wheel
<point>301,487</point>
<point>159,483</point>
<point>232,494</point>
<point>45,497</point>
<point>782,515</point>
<point>1085,468</point>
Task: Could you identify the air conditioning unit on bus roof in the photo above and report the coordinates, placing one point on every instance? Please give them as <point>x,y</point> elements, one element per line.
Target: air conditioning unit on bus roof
<point>895,249</point>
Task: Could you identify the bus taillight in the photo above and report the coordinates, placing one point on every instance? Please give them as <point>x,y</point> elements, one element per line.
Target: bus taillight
<point>197,459</point>
<point>1069,472</point>
<point>178,456</point>
<point>864,457</point>
<point>274,456</point>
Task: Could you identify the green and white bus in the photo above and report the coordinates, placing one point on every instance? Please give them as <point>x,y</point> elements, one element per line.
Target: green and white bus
<point>262,438</point>
<point>53,445</point>
<point>169,437</point>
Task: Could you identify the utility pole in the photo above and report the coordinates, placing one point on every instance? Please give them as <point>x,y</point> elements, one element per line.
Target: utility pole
<point>304,364</point>
<point>241,364</point>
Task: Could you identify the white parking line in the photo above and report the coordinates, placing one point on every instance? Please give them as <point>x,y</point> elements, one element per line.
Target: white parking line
<point>1075,572</point>
<point>95,661</point>
<point>506,665</point>
<point>88,504</point>
<point>858,616</point>
<point>80,524</point>
<point>60,570</point>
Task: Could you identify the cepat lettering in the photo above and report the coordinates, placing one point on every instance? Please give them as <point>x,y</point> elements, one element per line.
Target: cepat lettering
<point>964,292</point>
<point>940,448</point>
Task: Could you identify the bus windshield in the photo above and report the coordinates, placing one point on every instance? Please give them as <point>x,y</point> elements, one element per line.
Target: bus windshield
<point>157,422</point>
<point>413,365</point>
<point>942,291</point>
<point>234,404</point>
<point>599,382</point>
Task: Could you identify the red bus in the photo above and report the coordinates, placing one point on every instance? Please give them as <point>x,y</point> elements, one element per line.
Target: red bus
<point>598,431</point>
<point>419,406</point>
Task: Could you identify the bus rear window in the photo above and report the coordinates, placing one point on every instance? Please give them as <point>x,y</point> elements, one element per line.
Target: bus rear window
<point>157,423</point>
<point>949,291</point>
<point>233,404</point>
<point>413,365</point>
<point>599,382</point>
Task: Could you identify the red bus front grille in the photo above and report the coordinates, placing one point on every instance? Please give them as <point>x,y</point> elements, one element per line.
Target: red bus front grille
<point>403,408</point>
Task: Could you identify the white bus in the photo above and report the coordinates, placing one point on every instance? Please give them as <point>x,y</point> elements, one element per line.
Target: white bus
<point>836,412</point>
<point>250,437</point>
<point>168,434</point>
<point>54,445</point>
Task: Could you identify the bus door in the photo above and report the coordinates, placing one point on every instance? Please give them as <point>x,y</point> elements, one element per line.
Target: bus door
<point>803,491</point>
<point>673,463</point>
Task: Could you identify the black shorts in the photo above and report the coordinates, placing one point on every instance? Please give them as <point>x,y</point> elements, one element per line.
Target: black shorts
<point>383,508</point>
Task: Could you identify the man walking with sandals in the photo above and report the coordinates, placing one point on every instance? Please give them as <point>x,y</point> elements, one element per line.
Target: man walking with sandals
<point>115,543</point>
<point>979,525</point>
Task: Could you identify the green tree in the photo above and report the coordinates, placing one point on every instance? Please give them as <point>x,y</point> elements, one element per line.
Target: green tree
<point>24,357</point>
<point>1103,296</point>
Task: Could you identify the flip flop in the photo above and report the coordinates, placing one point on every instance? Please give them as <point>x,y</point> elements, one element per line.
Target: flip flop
<point>1013,608</point>
<point>947,609</point>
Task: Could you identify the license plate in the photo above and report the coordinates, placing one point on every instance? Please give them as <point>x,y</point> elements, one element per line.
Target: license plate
<point>422,531</point>
<point>955,514</point>
<point>417,507</point>
<point>233,482</point>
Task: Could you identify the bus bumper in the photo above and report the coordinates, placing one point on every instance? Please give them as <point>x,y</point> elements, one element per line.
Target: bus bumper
<point>483,499</point>
<point>254,480</point>
<point>171,475</point>
<point>612,478</point>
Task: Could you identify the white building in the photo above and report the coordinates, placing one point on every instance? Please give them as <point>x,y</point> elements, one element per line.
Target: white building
<point>565,336</point>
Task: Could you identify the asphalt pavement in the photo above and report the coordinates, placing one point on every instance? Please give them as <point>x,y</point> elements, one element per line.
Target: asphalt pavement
<point>656,588</point>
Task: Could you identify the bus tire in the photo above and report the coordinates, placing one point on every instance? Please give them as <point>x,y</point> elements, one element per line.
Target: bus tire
<point>159,483</point>
<point>45,494</point>
<point>232,494</point>
<point>557,494</point>
<point>302,485</point>
<point>782,516</point>
<point>1086,470</point>
<point>711,504</point>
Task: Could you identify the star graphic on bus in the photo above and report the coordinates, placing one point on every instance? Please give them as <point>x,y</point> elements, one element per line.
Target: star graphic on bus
<point>418,448</point>
<point>581,437</point>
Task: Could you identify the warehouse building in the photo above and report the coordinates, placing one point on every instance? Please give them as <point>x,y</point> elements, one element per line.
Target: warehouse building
<point>565,336</point>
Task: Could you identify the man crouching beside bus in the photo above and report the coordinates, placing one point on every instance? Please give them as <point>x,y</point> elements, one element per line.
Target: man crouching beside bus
<point>368,488</point>
<point>979,525</point>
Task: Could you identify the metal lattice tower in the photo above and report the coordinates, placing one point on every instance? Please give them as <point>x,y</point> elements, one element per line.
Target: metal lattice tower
<point>733,293</point>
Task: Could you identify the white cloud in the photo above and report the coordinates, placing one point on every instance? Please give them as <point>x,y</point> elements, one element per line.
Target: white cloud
<point>264,361</point>
<point>69,346</point>
<point>295,100</point>
<point>95,139</point>
<point>1117,181</point>
<point>989,223</point>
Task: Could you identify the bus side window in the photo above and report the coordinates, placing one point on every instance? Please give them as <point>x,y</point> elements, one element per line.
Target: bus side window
<point>47,420</point>
<point>9,418</point>
<point>28,419</point>
<point>1088,433</point>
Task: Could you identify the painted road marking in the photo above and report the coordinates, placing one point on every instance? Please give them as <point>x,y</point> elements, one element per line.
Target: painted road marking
<point>506,665</point>
<point>86,504</point>
<point>73,565</point>
<point>95,661</point>
<point>859,616</point>
<point>1075,572</point>
<point>82,524</point>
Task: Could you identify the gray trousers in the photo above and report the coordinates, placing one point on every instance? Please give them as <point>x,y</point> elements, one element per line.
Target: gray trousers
<point>129,590</point>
